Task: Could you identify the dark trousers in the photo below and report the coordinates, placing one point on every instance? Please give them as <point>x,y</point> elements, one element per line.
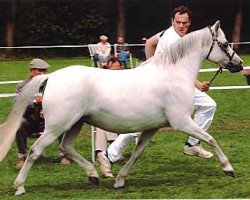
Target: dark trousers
<point>29,129</point>
<point>248,79</point>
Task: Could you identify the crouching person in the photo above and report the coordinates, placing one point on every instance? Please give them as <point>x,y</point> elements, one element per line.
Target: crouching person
<point>32,124</point>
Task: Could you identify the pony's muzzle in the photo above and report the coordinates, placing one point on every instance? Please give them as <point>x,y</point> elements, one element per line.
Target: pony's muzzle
<point>234,68</point>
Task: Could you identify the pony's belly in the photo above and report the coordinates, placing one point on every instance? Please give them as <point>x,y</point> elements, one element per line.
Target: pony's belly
<point>125,125</point>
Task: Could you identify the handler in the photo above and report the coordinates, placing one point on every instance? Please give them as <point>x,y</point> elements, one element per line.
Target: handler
<point>32,124</point>
<point>205,106</point>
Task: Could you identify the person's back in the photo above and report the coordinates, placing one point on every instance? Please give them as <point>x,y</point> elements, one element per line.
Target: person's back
<point>114,63</point>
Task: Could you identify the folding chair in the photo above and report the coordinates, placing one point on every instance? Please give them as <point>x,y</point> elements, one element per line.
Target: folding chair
<point>93,132</point>
<point>130,56</point>
<point>92,51</point>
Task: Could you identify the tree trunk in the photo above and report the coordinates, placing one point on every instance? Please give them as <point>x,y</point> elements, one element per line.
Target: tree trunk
<point>9,38</point>
<point>121,18</point>
<point>9,35</point>
<point>237,28</point>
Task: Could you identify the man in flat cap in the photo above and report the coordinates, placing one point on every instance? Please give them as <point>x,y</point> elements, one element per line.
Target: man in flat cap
<point>32,124</point>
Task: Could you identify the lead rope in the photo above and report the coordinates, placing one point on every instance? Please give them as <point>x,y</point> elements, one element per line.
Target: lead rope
<point>219,71</point>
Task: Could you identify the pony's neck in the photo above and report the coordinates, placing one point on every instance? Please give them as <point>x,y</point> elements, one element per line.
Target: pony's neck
<point>185,55</point>
<point>194,45</point>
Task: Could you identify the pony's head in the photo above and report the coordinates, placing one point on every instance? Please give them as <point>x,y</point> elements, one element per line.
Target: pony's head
<point>221,53</point>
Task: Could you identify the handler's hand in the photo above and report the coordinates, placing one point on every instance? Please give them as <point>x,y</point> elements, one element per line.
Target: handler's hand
<point>38,99</point>
<point>203,86</point>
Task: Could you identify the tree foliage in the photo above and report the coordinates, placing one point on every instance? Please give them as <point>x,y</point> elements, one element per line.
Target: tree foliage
<point>62,22</point>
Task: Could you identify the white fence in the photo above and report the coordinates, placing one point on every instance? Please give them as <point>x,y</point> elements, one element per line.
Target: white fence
<point>201,70</point>
<point>131,45</point>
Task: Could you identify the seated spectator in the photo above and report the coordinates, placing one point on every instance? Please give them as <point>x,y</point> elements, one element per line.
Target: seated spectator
<point>114,63</point>
<point>122,51</point>
<point>32,124</point>
<point>103,51</point>
<point>140,54</point>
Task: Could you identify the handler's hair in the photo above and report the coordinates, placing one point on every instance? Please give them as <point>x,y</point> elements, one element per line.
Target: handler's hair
<point>182,10</point>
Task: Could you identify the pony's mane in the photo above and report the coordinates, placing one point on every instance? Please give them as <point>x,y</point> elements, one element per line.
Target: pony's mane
<point>182,47</point>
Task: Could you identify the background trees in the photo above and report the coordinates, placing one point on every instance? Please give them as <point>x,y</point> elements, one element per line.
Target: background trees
<point>58,22</point>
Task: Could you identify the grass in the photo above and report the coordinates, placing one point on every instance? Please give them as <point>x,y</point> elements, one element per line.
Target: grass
<point>162,172</point>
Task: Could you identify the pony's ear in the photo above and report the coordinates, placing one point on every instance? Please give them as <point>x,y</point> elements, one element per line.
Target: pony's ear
<point>216,26</point>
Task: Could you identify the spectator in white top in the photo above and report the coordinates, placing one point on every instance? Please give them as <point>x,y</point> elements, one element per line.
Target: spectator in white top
<point>103,50</point>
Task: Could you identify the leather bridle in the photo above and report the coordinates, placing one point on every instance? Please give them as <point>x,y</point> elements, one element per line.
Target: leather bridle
<point>223,46</point>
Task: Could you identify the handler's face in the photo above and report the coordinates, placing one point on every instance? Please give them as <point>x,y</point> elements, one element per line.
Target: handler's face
<point>35,72</point>
<point>181,23</point>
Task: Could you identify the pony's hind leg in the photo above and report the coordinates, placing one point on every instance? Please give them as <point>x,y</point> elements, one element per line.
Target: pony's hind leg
<point>35,151</point>
<point>67,146</point>
<point>190,127</point>
<point>142,142</point>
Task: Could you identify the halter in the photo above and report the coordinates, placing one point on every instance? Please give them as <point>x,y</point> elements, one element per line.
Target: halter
<point>223,47</point>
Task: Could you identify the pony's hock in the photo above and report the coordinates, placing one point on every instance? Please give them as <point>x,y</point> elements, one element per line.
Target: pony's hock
<point>93,98</point>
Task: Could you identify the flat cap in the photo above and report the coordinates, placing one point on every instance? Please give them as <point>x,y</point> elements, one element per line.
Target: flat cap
<point>38,64</point>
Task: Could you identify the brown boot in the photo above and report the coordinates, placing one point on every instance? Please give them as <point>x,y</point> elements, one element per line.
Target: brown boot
<point>20,162</point>
<point>64,160</point>
<point>105,164</point>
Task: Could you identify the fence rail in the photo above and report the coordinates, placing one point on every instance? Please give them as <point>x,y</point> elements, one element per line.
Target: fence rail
<point>201,70</point>
<point>235,87</point>
<point>86,46</point>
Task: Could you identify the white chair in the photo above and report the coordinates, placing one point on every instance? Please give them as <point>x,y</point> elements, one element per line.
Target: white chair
<point>92,51</point>
<point>93,132</point>
<point>130,56</point>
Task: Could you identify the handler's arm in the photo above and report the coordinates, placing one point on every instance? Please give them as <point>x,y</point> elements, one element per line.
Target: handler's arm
<point>150,46</point>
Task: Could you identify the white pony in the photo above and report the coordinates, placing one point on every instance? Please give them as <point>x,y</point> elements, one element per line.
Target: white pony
<point>158,93</point>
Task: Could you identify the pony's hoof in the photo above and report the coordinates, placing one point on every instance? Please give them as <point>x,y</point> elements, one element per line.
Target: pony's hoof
<point>20,191</point>
<point>229,173</point>
<point>120,183</point>
<point>94,180</point>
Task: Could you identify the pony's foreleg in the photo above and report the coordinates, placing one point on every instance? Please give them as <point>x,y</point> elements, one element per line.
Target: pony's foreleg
<point>67,146</point>
<point>190,127</point>
<point>142,142</point>
<point>35,151</point>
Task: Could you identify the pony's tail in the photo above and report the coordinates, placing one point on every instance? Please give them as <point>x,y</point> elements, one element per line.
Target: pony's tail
<point>9,128</point>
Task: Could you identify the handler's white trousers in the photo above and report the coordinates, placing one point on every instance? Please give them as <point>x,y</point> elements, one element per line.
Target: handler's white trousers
<point>205,108</point>
<point>115,149</point>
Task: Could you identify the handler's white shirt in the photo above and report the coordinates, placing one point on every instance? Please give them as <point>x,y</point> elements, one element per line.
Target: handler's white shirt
<point>166,38</point>
<point>205,106</point>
